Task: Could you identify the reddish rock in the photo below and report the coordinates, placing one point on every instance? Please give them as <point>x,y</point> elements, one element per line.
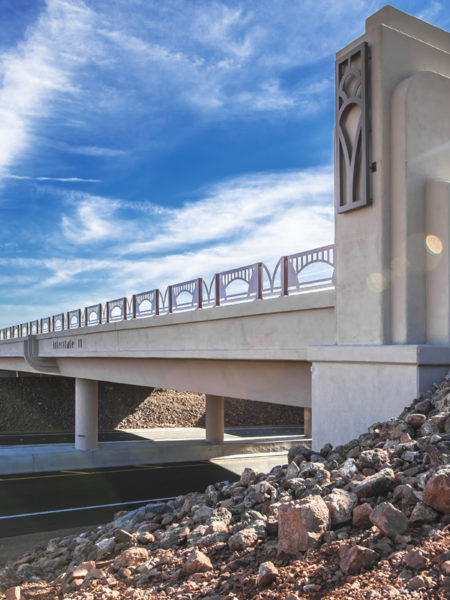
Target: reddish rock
<point>416,420</point>
<point>416,583</point>
<point>130,558</point>
<point>389,520</point>
<point>357,558</point>
<point>13,593</point>
<point>123,537</point>
<point>248,476</point>
<point>372,459</point>
<point>361,516</point>
<point>197,562</point>
<point>416,559</point>
<point>302,524</point>
<point>145,538</point>
<point>340,503</point>
<point>266,574</point>
<point>243,539</point>
<point>437,491</point>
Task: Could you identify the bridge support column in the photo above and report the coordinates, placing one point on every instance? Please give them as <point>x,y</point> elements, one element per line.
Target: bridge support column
<point>307,422</point>
<point>214,418</point>
<point>86,414</point>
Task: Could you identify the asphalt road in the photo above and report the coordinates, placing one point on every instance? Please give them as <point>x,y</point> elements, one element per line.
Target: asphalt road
<point>50,501</point>
<point>20,439</point>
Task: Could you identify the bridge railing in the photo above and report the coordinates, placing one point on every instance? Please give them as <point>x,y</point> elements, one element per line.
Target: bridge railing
<point>293,274</point>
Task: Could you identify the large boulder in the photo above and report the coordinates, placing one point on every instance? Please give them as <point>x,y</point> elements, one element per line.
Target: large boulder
<point>302,524</point>
<point>437,491</point>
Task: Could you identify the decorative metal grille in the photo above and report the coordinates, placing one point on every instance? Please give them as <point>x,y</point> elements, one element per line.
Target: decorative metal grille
<point>352,130</point>
<point>93,315</point>
<point>116,310</point>
<point>145,304</point>
<point>192,289</point>
<point>256,282</point>
<point>58,322</point>
<point>251,275</point>
<point>74,319</point>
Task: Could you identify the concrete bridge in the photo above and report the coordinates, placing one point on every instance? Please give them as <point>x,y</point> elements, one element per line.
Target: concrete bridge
<point>352,346</point>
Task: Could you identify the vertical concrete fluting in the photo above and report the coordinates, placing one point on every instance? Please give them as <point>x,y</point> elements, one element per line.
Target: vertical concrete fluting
<point>214,418</point>
<point>86,414</point>
<point>307,422</point>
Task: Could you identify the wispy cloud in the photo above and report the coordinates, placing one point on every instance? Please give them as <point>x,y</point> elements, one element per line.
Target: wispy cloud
<point>60,179</point>
<point>231,210</point>
<point>92,220</point>
<point>36,71</point>
<point>238,221</point>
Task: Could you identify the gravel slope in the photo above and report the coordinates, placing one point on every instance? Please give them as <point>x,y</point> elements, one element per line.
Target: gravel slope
<point>46,404</point>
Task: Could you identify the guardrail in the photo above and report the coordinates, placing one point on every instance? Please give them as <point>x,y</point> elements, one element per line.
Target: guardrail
<point>244,284</point>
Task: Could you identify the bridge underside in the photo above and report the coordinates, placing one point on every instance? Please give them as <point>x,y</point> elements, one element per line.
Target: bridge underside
<point>279,382</point>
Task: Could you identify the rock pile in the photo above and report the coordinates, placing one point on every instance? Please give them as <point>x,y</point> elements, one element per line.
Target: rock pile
<point>368,519</point>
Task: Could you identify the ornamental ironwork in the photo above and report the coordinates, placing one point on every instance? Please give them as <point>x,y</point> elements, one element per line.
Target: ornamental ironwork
<point>293,274</point>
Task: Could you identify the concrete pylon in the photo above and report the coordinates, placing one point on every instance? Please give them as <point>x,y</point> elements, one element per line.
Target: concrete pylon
<point>86,414</point>
<point>307,422</point>
<point>392,227</point>
<point>214,418</point>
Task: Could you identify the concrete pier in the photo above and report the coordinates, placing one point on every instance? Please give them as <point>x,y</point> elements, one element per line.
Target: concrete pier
<point>86,414</point>
<point>214,418</point>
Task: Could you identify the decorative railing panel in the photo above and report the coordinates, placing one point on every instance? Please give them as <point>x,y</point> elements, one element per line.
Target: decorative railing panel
<point>58,322</point>
<point>297,264</point>
<point>187,295</point>
<point>293,274</point>
<point>145,304</point>
<point>116,310</point>
<point>45,325</point>
<point>74,319</point>
<point>93,315</point>
<point>250,277</point>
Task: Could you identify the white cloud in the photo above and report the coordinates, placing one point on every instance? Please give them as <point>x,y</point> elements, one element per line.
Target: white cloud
<point>231,210</point>
<point>36,71</point>
<point>59,179</point>
<point>92,221</point>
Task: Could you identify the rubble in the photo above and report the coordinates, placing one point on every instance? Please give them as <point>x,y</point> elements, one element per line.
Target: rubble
<point>368,519</point>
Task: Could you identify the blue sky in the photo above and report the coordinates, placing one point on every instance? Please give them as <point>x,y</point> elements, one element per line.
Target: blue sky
<point>147,142</point>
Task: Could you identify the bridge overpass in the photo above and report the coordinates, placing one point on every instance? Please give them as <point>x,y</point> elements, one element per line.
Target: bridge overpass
<point>352,346</point>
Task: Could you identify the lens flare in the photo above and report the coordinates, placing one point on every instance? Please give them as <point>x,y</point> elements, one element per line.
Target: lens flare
<point>433,244</point>
<point>376,282</point>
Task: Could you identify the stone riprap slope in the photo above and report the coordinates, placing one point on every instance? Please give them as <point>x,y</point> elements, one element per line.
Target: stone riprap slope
<point>46,404</point>
<point>366,520</point>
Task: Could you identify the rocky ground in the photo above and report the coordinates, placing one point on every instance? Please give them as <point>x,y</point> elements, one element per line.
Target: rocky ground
<point>369,519</point>
<point>46,404</point>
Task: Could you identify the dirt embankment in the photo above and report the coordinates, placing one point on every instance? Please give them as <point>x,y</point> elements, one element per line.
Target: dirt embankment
<point>46,404</point>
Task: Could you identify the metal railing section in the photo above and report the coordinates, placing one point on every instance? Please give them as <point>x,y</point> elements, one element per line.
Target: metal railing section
<point>293,274</point>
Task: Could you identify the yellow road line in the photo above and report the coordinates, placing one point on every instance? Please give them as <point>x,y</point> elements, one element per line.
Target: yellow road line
<point>135,468</point>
